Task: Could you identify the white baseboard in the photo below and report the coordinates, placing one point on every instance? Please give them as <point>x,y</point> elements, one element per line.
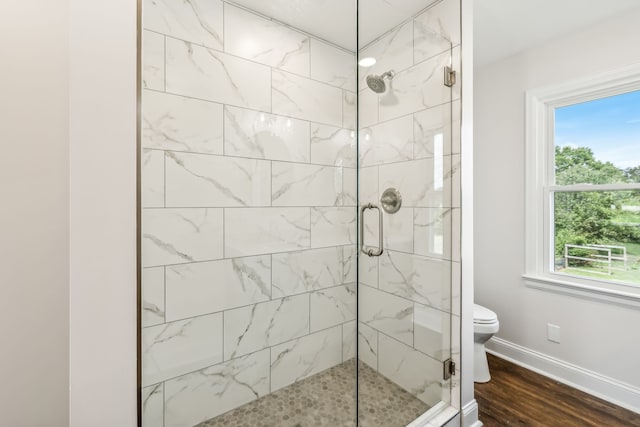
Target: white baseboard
<point>609,389</point>
<point>470,415</point>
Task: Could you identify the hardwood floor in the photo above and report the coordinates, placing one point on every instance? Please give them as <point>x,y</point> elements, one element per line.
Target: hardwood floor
<point>516,396</point>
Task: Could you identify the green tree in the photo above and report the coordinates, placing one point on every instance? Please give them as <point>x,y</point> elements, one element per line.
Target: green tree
<point>586,217</point>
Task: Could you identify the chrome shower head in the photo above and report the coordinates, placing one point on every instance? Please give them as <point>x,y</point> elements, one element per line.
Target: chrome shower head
<point>376,83</point>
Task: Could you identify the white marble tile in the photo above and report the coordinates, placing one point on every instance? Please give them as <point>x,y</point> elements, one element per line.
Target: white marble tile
<point>203,73</point>
<point>349,110</point>
<point>456,284</point>
<point>306,99</point>
<point>386,313</point>
<point>349,337</point>
<point>252,37</point>
<point>174,236</point>
<point>250,133</point>
<point>368,345</point>
<point>153,60</point>
<point>197,21</point>
<point>333,226</point>
<point>332,65</point>
<point>416,88</point>
<point>304,271</point>
<point>333,146</point>
<point>152,178</point>
<point>398,230</point>
<point>455,126</point>
<point>455,235</point>
<point>432,232</point>
<point>387,142</point>
<point>153,311</point>
<point>178,123</point>
<point>413,371</point>
<point>420,279</point>
<point>349,187</point>
<point>436,30</point>
<point>349,263</point>
<point>153,405</point>
<point>301,358</point>
<point>369,192</point>
<point>454,60</point>
<point>296,184</point>
<point>367,108</point>
<point>432,131</point>
<point>422,183</point>
<point>368,269</point>
<point>332,306</point>
<point>207,393</point>
<point>263,325</point>
<point>194,180</point>
<point>207,287</point>
<point>455,180</point>
<point>180,347</point>
<point>254,231</point>
<point>432,332</point>
<point>394,51</point>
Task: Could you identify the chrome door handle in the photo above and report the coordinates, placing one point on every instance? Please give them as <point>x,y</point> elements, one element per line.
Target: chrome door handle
<point>370,251</point>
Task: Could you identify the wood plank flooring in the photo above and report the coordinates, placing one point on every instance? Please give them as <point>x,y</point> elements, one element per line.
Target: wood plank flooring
<point>516,396</point>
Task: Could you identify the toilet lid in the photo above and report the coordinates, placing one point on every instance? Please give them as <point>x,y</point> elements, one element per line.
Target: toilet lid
<point>483,315</point>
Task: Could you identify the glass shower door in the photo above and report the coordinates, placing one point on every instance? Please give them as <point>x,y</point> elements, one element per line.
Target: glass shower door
<point>262,140</point>
<point>408,110</point>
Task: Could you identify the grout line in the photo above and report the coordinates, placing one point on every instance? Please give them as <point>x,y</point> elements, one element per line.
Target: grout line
<point>244,107</point>
<point>406,299</point>
<point>289,296</point>
<point>263,159</point>
<point>411,18</point>
<point>233,55</point>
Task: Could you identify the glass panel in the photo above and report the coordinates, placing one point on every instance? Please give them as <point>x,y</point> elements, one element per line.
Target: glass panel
<point>254,165</point>
<point>249,213</point>
<point>598,142</point>
<point>409,141</point>
<point>597,234</point>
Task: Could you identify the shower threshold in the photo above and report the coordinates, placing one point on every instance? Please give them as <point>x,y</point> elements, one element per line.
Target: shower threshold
<point>329,399</point>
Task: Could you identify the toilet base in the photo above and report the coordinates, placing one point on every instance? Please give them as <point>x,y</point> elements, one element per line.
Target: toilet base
<point>480,364</point>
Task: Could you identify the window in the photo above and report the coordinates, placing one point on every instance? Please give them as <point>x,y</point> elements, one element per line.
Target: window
<point>583,186</point>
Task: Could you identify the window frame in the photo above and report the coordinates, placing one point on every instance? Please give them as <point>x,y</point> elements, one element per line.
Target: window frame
<point>540,185</point>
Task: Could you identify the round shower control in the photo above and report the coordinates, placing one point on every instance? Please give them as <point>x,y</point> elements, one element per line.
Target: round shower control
<point>391,200</point>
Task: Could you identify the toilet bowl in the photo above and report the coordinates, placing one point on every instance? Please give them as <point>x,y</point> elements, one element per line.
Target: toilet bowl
<point>485,324</point>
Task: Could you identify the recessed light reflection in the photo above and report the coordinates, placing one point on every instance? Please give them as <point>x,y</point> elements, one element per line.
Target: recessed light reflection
<point>367,62</point>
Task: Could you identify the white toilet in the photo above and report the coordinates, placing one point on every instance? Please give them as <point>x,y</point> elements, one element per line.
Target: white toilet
<point>485,324</point>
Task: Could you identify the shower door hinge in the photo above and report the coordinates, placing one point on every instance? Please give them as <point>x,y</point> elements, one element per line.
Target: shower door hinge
<point>449,76</point>
<point>448,369</point>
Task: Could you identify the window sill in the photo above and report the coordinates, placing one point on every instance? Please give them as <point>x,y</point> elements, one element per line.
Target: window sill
<point>583,290</point>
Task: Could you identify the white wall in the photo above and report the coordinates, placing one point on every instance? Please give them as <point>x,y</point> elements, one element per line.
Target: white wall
<point>34,223</point>
<point>595,336</point>
<point>102,71</point>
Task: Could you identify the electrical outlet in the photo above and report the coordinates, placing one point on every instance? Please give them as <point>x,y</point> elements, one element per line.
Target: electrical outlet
<point>553,333</point>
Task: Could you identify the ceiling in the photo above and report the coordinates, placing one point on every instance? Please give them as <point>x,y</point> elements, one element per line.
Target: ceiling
<point>505,27</point>
<point>334,20</point>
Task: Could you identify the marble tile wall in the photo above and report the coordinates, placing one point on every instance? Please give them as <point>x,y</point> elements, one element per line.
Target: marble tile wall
<point>409,139</point>
<point>249,208</point>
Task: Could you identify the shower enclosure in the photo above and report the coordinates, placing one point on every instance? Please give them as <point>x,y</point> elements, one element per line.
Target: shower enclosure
<point>300,212</point>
